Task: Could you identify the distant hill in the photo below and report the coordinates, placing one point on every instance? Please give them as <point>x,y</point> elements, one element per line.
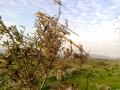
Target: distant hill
<point>96,56</point>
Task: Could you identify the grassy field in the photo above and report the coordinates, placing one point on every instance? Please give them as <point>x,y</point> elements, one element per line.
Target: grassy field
<point>92,75</point>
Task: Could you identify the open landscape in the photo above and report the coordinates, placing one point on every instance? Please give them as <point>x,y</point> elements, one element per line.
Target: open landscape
<point>64,46</point>
<point>93,75</point>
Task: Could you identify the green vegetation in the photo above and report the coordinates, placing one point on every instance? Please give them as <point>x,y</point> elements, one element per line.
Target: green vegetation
<point>33,63</point>
<point>93,75</point>
<point>103,75</point>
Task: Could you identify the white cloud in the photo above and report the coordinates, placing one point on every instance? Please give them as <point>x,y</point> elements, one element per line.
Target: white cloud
<point>91,19</point>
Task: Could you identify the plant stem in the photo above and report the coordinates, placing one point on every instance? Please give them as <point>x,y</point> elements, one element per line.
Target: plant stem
<point>43,83</point>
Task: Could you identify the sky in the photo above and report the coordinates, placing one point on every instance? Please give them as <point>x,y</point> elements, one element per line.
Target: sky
<point>96,21</point>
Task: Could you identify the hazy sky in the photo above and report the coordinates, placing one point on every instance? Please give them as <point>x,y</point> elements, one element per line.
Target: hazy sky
<point>94,20</point>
